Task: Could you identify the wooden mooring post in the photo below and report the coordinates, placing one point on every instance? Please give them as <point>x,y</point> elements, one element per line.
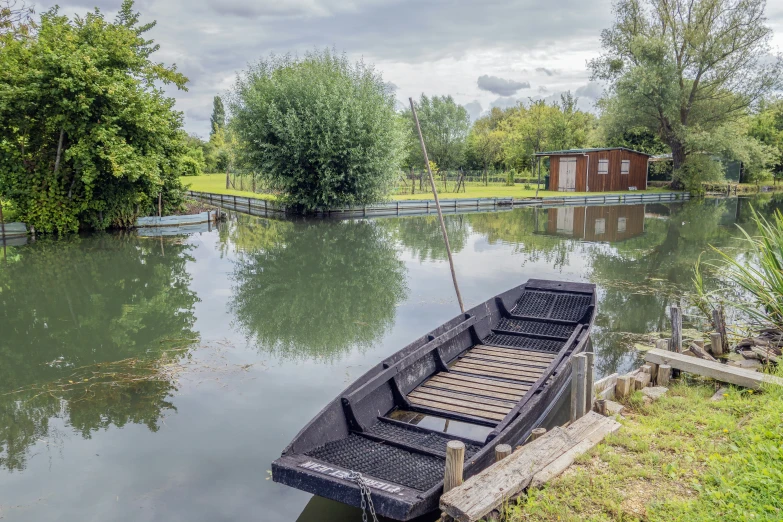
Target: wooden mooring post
<point>537,433</point>
<point>716,340</point>
<point>719,320</point>
<point>502,451</point>
<point>578,386</point>
<point>589,381</point>
<point>455,463</point>
<point>676,341</point>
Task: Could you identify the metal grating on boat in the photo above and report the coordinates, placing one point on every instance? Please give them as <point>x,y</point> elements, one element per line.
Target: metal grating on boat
<point>547,305</point>
<point>381,461</point>
<point>535,327</point>
<point>516,341</point>
<point>430,441</point>
<point>534,304</point>
<point>570,307</point>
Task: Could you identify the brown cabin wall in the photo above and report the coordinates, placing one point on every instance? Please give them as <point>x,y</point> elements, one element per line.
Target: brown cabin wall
<point>585,218</point>
<point>613,181</point>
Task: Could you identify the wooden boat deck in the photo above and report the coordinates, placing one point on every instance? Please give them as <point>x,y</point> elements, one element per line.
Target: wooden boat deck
<point>484,382</point>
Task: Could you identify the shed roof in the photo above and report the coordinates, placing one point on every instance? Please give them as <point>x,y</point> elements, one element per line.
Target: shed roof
<point>585,151</point>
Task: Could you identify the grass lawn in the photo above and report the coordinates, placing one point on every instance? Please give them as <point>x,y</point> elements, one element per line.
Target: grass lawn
<point>501,191</point>
<point>216,184</point>
<point>681,458</point>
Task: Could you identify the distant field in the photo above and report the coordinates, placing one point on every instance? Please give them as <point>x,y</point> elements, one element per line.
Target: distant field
<point>216,184</point>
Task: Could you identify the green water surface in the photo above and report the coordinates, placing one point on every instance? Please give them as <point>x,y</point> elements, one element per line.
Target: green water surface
<point>155,379</point>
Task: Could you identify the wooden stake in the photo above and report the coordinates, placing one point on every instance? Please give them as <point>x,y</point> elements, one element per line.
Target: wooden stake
<point>676,317</point>
<point>663,344</point>
<point>601,406</point>
<point>502,451</point>
<point>664,373</point>
<point>437,204</point>
<point>455,462</point>
<point>716,340</point>
<point>536,433</point>
<point>578,392</point>
<point>589,381</point>
<point>160,204</point>
<point>719,319</point>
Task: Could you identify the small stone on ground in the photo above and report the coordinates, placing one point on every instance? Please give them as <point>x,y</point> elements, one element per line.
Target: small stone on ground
<point>655,392</point>
<point>719,395</point>
<point>613,408</point>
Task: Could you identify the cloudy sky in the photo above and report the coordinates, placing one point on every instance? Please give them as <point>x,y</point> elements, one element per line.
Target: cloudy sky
<point>484,53</point>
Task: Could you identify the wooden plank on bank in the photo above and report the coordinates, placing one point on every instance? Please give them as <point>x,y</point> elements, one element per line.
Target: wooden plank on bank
<point>541,459</point>
<point>714,370</point>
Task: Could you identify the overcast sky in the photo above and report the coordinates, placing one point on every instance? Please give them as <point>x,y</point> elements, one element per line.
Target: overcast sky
<point>484,53</point>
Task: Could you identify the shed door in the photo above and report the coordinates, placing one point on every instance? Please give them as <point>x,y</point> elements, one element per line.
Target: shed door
<point>567,175</point>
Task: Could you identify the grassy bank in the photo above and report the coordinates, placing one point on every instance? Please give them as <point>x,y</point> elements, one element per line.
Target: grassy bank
<point>680,458</point>
<point>216,184</point>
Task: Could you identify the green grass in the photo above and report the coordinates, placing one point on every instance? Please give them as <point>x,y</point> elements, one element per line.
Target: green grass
<point>502,191</point>
<point>216,184</point>
<point>681,458</point>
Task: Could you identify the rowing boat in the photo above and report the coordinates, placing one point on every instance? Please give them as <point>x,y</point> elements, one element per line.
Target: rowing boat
<point>487,377</point>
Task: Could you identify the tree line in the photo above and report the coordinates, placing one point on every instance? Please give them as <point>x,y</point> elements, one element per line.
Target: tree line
<point>89,140</point>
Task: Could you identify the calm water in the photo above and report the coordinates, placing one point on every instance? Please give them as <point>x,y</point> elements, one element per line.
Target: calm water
<point>151,379</point>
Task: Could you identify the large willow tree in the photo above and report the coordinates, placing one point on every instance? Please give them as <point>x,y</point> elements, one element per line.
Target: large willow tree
<point>685,68</point>
<point>321,130</point>
<point>87,137</point>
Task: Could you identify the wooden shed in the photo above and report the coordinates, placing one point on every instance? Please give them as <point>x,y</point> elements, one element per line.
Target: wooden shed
<point>597,170</point>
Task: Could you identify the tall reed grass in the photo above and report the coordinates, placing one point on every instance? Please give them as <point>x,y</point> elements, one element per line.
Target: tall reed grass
<point>761,272</point>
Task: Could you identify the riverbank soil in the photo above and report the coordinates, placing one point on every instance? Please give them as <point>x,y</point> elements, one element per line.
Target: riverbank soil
<point>683,457</point>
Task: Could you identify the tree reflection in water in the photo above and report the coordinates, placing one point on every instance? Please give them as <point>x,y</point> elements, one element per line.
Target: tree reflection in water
<point>315,289</point>
<point>88,327</point>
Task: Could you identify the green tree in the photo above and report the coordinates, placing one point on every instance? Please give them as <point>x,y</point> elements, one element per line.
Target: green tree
<point>319,129</point>
<point>87,137</point>
<point>767,127</point>
<point>218,118</point>
<point>444,125</point>
<point>484,145</point>
<point>16,18</point>
<point>684,67</point>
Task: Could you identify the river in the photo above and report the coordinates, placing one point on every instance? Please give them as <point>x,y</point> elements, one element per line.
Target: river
<point>155,379</point>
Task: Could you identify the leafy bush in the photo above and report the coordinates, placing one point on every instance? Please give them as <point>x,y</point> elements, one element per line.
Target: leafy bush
<point>511,177</point>
<point>322,131</point>
<point>87,137</point>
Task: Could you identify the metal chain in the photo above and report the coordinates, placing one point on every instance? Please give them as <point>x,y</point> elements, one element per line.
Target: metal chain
<point>364,492</point>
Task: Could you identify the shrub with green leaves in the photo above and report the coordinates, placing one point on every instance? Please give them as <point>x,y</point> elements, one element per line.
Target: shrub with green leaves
<point>87,137</point>
<point>321,130</point>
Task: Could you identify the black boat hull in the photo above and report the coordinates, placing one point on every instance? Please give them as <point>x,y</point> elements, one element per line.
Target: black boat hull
<point>401,462</point>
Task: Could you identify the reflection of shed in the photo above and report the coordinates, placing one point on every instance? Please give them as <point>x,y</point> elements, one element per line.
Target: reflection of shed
<point>596,170</point>
<point>611,223</point>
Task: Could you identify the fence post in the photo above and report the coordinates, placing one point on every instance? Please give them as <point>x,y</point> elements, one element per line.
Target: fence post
<point>589,378</point>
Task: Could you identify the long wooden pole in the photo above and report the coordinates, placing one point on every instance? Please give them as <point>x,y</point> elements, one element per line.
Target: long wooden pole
<point>437,205</point>
<point>2,221</point>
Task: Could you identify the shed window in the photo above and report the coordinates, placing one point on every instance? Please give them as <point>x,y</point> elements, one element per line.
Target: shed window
<point>626,167</point>
<point>621,224</point>
<point>600,226</point>
<point>603,166</point>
